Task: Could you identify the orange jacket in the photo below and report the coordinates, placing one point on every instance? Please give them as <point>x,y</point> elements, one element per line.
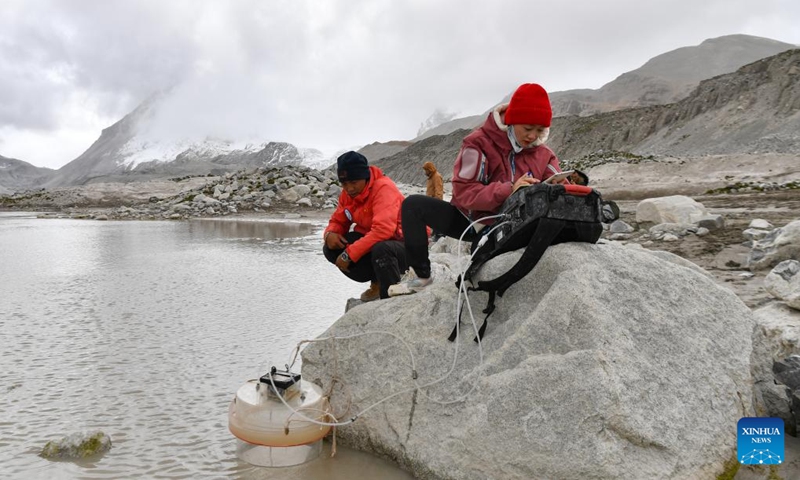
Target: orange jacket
<point>375,211</point>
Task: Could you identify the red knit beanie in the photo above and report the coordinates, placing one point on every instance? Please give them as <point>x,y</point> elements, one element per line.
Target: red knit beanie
<point>529,105</point>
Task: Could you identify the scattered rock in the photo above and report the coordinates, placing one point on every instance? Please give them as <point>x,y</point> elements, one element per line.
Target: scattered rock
<point>675,229</point>
<point>711,221</point>
<point>760,224</point>
<point>620,227</point>
<point>77,446</point>
<point>779,245</point>
<point>783,282</point>
<point>754,234</point>
<point>674,209</point>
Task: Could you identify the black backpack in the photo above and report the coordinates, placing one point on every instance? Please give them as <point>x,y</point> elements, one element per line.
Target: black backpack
<point>536,217</point>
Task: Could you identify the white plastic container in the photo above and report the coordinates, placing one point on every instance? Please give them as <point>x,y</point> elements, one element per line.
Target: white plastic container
<point>259,419</point>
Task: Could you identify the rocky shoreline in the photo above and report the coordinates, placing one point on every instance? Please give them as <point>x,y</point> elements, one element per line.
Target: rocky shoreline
<point>258,190</point>
<point>308,193</point>
<point>267,191</point>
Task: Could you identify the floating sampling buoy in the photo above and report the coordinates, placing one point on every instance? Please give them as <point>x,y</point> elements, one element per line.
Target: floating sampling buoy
<point>274,419</point>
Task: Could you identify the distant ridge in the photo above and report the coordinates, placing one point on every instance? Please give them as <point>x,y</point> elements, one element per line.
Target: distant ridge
<point>377,151</point>
<point>18,176</point>
<point>751,111</point>
<point>663,79</point>
<point>668,77</point>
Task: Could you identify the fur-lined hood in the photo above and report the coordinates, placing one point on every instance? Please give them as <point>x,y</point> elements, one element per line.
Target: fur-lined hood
<point>429,168</point>
<point>497,114</point>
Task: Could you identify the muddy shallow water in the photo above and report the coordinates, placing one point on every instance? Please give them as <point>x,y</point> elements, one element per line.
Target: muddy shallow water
<point>145,330</point>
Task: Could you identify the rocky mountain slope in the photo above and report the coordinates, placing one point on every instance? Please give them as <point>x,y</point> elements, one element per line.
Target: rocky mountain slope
<point>669,77</point>
<point>663,79</point>
<point>16,175</point>
<point>377,150</point>
<point>406,166</point>
<point>754,110</point>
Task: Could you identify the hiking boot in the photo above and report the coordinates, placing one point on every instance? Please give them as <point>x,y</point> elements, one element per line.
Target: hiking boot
<point>410,283</point>
<point>372,293</point>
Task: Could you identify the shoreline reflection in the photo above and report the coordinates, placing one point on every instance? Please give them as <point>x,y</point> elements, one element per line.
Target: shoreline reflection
<point>264,230</point>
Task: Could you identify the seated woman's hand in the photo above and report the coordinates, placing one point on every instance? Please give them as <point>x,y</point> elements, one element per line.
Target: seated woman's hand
<point>524,181</point>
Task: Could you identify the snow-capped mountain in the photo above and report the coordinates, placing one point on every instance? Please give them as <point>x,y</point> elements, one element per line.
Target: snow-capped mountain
<point>313,158</point>
<point>138,148</point>
<point>438,117</point>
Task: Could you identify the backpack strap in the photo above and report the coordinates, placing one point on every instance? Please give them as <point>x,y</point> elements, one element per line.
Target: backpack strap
<point>488,311</point>
<point>546,231</point>
<point>548,214</point>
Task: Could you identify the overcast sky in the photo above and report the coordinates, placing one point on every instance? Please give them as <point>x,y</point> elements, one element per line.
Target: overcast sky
<point>325,74</point>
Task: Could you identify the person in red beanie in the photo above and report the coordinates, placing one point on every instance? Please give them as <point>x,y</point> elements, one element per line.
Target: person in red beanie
<point>507,152</point>
<point>373,251</point>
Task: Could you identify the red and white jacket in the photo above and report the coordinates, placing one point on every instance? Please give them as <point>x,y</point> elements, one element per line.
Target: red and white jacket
<point>375,211</point>
<point>483,176</point>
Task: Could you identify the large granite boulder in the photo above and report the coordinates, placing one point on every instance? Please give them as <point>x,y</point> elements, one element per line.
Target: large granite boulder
<point>673,209</point>
<point>604,362</point>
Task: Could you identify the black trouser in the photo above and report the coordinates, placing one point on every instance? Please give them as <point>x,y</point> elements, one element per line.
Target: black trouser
<point>383,264</point>
<point>419,211</point>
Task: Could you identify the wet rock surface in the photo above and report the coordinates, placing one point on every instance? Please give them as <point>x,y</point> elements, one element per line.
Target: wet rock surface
<point>77,446</point>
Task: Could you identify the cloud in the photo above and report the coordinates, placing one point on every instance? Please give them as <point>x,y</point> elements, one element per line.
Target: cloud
<point>323,74</point>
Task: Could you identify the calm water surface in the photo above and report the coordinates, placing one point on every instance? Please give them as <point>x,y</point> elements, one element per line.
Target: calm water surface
<point>145,330</point>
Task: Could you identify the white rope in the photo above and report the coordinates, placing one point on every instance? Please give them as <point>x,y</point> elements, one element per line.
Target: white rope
<point>417,386</point>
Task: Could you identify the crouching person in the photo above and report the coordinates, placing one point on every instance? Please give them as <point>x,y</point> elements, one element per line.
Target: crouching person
<point>373,252</point>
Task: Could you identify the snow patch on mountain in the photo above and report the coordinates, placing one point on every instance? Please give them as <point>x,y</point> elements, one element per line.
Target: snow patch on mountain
<point>139,150</point>
<point>313,158</point>
<point>438,117</point>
